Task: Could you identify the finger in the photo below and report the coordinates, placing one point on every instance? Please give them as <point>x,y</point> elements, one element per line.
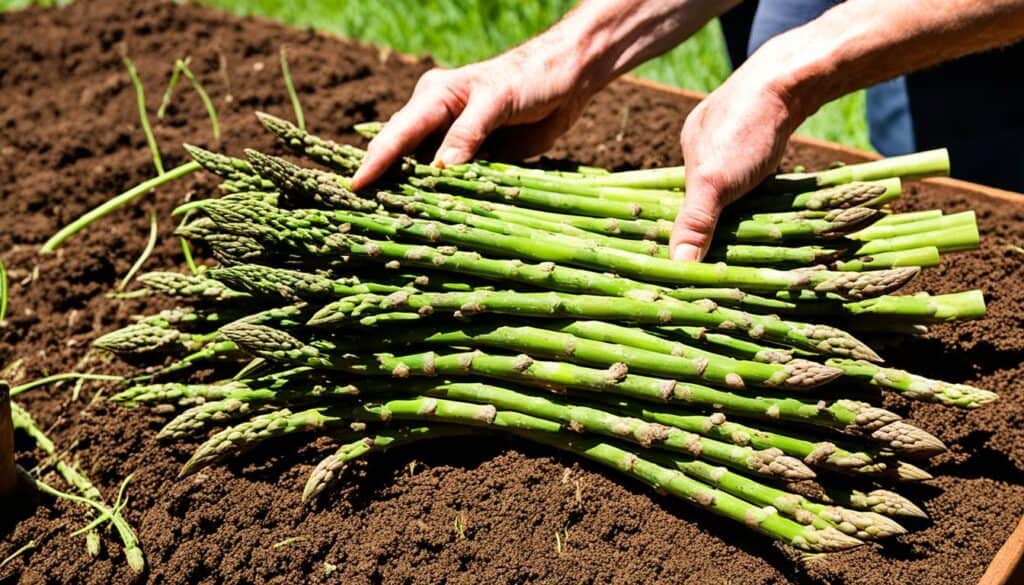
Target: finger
<point>483,113</point>
<point>425,113</point>
<point>695,222</point>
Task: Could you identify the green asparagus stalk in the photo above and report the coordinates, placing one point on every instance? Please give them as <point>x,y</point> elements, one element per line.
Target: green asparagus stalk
<point>365,308</point>
<point>902,438</point>
<point>229,168</point>
<point>861,525</point>
<point>849,416</point>
<point>796,374</point>
<point>955,220</point>
<point>272,223</point>
<point>454,215</point>
<point>283,422</point>
<point>767,520</point>
<point>838,223</point>
<point>309,187</point>
<point>909,216</point>
<point>955,239</point>
<point>759,255</point>
<point>145,338</point>
<point>551,222</point>
<point>729,345</point>
<point>194,286</point>
<point>196,418</point>
<point>769,462</point>
<point>922,257</point>
<point>916,387</point>
<point>921,164</point>
<point>343,158</point>
<point>911,166</point>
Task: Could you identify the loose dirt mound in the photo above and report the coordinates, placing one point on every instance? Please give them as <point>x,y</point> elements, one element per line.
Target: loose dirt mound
<point>69,138</point>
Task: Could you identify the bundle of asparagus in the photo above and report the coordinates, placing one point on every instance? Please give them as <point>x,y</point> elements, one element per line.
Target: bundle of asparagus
<point>489,297</point>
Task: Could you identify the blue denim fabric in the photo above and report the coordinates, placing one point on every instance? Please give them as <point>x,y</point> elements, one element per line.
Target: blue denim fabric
<point>888,109</point>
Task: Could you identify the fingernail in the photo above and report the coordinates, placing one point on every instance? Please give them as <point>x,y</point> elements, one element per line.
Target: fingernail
<point>686,252</point>
<point>446,157</point>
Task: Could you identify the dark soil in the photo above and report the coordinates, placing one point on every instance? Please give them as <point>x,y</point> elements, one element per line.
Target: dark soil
<point>69,138</point>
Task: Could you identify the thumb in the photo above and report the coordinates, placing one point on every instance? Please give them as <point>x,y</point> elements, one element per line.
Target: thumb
<point>695,223</point>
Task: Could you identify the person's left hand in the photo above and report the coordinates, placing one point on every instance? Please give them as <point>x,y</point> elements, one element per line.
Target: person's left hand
<point>731,141</point>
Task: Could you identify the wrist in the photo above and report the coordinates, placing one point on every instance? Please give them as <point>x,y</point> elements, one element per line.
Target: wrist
<point>800,70</point>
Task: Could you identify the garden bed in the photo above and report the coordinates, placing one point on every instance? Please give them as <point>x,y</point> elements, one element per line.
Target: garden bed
<point>69,138</point>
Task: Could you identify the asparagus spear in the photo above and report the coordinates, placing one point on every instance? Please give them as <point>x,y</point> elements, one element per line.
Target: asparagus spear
<point>314,226</point>
<point>770,462</point>
<point>235,170</point>
<point>916,387</point>
<point>909,216</point>
<point>861,525</point>
<point>365,308</point>
<point>190,286</point>
<point>955,239</point>
<point>283,422</point>
<point>849,416</point>
<point>307,186</point>
<point>956,220</point>
<point>765,520</point>
<point>344,158</point>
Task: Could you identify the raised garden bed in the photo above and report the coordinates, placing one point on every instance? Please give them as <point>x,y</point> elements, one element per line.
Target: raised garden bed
<point>69,138</point>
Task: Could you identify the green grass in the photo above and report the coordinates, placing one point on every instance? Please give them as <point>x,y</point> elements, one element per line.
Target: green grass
<point>456,32</point>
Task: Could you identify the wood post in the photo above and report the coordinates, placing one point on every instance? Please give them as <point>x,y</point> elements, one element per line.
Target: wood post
<point>8,470</point>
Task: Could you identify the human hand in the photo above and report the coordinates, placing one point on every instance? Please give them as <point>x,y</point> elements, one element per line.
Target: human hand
<point>731,141</point>
<point>533,91</point>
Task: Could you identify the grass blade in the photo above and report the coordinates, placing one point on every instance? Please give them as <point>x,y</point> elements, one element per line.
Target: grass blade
<point>146,252</point>
<point>171,84</point>
<point>116,203</point>
<point>300,120</point>
<point>140,98</point>
<point>15,390</point>
<point>210,110</point>
<point>3,291</point>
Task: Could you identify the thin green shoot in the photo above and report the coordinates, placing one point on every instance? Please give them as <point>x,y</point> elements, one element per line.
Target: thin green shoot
<point>3,291</point>
<point>211,111</point>
<point>140,98</point>
<point>1011,247</point>
<point>300,120</point>
<point>186,248</point>
<point>146,252</point>
<point>61,378</point>
<point>171,84</point>
<point>21,550</point>
<point>116,203</point>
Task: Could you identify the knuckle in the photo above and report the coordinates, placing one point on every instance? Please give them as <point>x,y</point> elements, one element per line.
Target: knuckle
<point>466,133</point>
<point>697,219</point>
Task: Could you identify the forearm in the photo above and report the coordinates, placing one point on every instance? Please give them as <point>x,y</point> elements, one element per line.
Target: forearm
<point>600,40</point>
<point>862,42</point>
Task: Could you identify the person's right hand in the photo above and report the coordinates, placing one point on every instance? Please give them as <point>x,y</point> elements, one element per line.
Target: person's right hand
<point>533,92</point>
